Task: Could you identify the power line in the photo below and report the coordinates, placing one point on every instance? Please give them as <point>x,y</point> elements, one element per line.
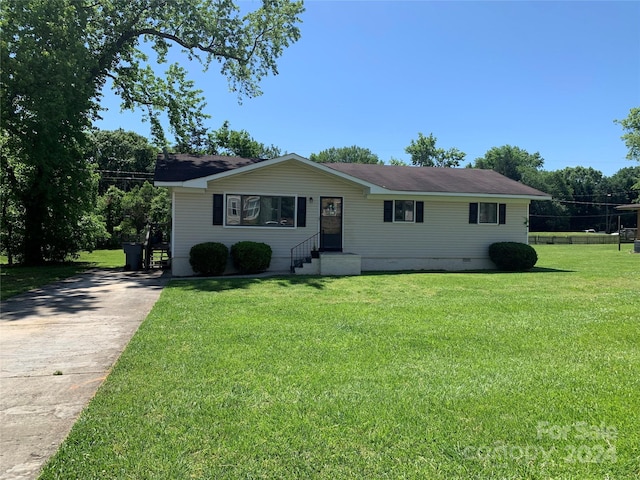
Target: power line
<point>601,215</point>
<point>595,204</point>
<point>150,174</point>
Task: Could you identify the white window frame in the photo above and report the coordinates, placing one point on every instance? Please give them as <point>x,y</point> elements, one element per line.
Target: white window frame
<point>497,210</point>
<point>227,206</point>
<point>413,212</point>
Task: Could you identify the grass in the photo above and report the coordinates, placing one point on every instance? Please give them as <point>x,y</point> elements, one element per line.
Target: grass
<point>426,375</point>
<point>17,279</point>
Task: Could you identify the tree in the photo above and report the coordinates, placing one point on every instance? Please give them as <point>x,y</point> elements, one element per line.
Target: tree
<point>239,143</point>
<point>126,214</point>
<point>117,154</point>
<point>226,142</point>
<point>549,216</point>
<point>353,154</point>
<point>56,57</point>
<point>425,154</point>
<point>623,189</point>
<point>398,162</point>
<point>631,125</point>
<point>512,162</point>
<point>588,193</point>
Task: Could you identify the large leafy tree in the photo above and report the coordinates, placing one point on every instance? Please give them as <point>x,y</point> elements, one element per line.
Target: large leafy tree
<point>120,155</point>
<point>227,142</point>
<point>631,137</point>
<point>56,57</point>
<point>353,154</point>
<point>424,153</point>
<point>510,161</point>
<point>239,143</point>
<point>622,185</point>
<point>554,215</point>
<point>589,190</point>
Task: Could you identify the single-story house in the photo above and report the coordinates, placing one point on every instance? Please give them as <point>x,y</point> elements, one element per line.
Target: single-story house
<point>358,217</point>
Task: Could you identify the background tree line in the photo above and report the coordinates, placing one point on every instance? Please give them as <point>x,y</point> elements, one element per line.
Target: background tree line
<point>125,200</point>
<point>584,198</point>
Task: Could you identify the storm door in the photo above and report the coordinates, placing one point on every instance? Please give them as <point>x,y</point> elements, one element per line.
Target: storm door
<point>331,224</point>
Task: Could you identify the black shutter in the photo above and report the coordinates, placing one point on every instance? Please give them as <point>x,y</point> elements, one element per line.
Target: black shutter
<point>388,210</point>
<point>502,213</point>
<point>302,212</point>
<point>473,213</point>
<point>218,209</point>
<point>419,212</point>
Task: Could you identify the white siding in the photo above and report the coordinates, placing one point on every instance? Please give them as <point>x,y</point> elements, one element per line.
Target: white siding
<point>444,241</point>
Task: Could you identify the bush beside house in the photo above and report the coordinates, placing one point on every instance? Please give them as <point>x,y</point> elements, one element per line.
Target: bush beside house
<point>209,258</point>
<point>251,257</point>
<point>513,256</point>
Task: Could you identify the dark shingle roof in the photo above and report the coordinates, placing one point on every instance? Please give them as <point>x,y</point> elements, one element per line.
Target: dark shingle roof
<point>437,180</point>
<point>182,167</point>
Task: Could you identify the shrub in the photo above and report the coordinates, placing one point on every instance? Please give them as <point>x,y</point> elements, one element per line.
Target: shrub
<point>251,257</point>
<point>513,256</point>
<point>209,258</point>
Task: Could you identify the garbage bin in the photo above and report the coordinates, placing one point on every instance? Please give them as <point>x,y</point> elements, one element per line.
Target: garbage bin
<point>133,254</point>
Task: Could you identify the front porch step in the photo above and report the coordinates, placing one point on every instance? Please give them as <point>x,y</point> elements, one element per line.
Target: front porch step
<point>331,263</point>
<point>310,266</point>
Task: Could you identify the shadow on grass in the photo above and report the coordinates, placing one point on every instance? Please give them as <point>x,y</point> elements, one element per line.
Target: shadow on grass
<point>77,294</point>
<point>464,272</point>
<point>17,279</point>
<point>219,284</point>
<point>234,283</point>
<point>549,270</point>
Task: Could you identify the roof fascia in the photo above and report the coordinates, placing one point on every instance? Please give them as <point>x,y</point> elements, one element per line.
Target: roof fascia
<point>379,191</point>
<point>180,188</point>
<point>167,184</point>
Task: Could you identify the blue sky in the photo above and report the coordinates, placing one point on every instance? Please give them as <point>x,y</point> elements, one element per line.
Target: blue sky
<point>544,76</point>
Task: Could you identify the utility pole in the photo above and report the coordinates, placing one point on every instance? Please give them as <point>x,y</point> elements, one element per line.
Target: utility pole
<point>606,206</point>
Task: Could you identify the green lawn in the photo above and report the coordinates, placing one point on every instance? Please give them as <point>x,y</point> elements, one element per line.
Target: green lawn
<point>18,279</point>
<point>425,375</point>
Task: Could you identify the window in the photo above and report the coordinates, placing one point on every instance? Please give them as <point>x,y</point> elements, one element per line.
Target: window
<point>403,211</point>
<point>489,213</point>
<point>260,211</point>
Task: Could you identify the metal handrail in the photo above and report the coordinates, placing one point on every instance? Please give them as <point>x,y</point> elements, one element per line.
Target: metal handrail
<point>303,251</point>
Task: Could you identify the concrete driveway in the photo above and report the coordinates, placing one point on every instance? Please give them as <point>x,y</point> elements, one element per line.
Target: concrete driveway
<point>57,345</point>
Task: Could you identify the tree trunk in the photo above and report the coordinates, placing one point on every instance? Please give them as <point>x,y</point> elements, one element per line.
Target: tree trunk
<point>33,234</point>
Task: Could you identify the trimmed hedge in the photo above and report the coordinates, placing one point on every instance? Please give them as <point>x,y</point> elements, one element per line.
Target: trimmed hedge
<point>209,258</point>
<point>251,257</point>
<point>513,256</point>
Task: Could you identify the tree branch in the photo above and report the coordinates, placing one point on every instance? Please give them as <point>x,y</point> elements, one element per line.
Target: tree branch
<point>183,43</point>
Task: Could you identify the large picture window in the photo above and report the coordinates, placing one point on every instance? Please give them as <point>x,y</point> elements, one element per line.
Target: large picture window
<point>260,211</point>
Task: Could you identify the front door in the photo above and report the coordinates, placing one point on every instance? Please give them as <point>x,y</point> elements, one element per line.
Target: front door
<point>331,224</point>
